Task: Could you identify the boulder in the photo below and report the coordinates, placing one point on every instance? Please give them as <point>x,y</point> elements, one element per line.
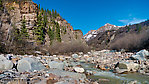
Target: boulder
<point>67,74</point>
<point>5,64</point>
<point>29,64</point>
<point>134,82</point>
<point>141,55</point>
<point>122,67</point>
<point>78,69</point>
<point>75,56</point>
<point>56,65</point>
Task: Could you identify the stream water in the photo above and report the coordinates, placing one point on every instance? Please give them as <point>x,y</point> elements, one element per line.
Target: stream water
<point>114,78</point>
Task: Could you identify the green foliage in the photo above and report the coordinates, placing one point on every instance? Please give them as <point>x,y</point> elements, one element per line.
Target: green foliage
<point>16,34</point>
<point>45,19</point>
<point>50,34</point>
<point>138,27</point>
<point>1,5</point>
<point>58,35</point>
<point>128,28</point>
<point>50,13</point>
<point>39,7</point>
<point>39,29</point>
<point>53,13</point>
<point>23,32</point>
<point>65,31</point>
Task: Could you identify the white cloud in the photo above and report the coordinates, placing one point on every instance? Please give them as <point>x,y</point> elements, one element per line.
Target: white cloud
<point>132,21</point>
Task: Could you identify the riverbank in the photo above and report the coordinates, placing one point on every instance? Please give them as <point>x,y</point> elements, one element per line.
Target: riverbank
<point>74,69</point>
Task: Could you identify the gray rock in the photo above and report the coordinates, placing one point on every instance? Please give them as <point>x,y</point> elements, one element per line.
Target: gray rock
<point>78,69</point>
<point>134,82</point>
<point>126,67</point>
<point>75,56</point>
<point>29,64</point>
<point>5,64</point>
<point>56,65</point>
<point>141,55</point>
<point>66,73</point>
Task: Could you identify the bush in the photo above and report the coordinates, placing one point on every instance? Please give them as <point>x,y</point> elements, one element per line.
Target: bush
<point>68,48</point>
<point>132,41</point>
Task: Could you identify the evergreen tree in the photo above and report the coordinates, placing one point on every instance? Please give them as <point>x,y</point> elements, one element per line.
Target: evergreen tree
<point>53,13</point>
<point>50,34</point>
<point>39,29</point>
<point>39,7</point>
<point>65,31</point>
<point>1,5</point>
<point>24,33</point>
<point>138,27</point>
<point>16,34</point>
<point>45,19</point>
<point>58,35</point>
<point>128,28</point>
<point>50,13</point>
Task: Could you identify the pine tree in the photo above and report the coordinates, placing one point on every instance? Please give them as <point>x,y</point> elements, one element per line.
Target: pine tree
<point>39,7</point>
<point>53,13</point>
<point>16,34</point>
<point>23,32</point>
<point>50,34</point>
<point>50,13</point>
<point>138,27</point>
<point>58,35</point>
<point>39,29</point>
<point>128,28</point>
<point>1,5</point>
<point>65,31</point>
<point>45,19</point>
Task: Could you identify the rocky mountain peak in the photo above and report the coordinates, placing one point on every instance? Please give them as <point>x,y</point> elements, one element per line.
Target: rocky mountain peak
<point>93,33</point>
<point>108,27</point>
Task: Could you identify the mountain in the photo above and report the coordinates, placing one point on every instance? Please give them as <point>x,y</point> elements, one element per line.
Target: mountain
<point>24,22</point>
<point>93,33</point>
<point>131,37</point>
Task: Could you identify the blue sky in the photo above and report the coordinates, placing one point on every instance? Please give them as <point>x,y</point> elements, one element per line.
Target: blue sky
<point>91,14</point>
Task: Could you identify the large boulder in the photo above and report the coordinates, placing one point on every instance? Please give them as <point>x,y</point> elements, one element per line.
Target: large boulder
<point>122,67</point>
<point>29,64</point>
<point>78,69</point>
<point>5,64</point>
<point>141,55</point>
<point>56,65</point>
<point>75,56</point>
<point>67,74</point>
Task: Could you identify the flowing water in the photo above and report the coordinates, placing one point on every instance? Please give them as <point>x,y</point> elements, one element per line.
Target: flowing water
<point>114,78</point>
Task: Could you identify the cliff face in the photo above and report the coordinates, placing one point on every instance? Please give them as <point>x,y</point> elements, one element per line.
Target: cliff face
<point>13,13</point>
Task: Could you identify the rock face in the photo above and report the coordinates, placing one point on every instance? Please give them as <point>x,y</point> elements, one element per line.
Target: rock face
<point>13,14</point>
<point>5,64</point>
<point>126,67</point>
<point>141,55</point>
<point>56,65</point>
<point>29,64</point>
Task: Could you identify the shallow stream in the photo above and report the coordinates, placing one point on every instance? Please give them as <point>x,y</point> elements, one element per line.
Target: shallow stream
<point>114,78</point>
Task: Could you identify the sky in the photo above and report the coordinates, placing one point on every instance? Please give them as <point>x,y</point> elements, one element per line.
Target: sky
<point>92,14</point>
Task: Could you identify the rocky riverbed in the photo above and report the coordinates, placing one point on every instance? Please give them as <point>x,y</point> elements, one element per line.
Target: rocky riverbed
<point>95,67</point>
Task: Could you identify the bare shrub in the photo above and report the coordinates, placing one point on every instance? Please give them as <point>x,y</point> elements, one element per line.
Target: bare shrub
<point>132,41</point>
<point>70,47</point>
